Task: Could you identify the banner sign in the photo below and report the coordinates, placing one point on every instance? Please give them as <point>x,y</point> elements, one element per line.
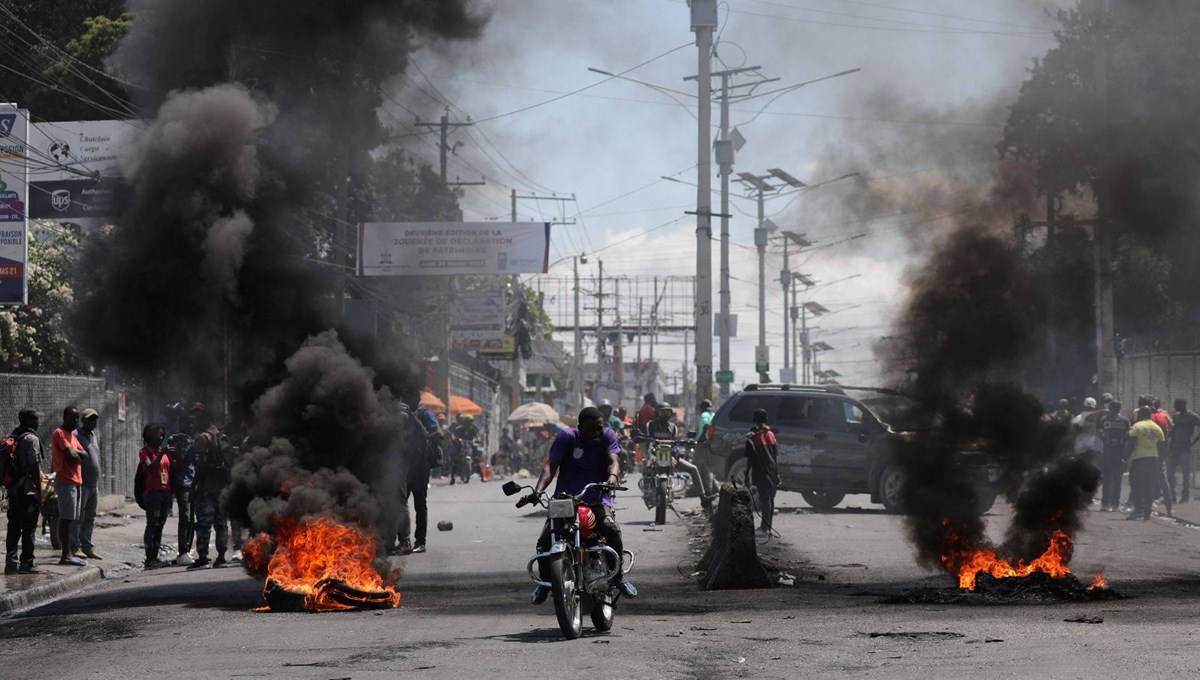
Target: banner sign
<point>475,317</point>
<point>63,155</point>
<point>452,248</point>
<point>14,229</point>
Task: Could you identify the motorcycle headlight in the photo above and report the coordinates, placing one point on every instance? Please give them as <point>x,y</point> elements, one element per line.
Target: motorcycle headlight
<point>562,508</point>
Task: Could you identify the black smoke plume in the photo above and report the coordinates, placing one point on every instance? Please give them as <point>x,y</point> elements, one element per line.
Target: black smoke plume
<point>260,118</point>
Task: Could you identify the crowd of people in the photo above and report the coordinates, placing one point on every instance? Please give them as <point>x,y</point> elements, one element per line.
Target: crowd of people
<point>1153,445</point>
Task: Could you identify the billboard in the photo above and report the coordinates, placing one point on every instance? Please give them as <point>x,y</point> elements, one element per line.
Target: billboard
<point>68,160</point>
<point>14,179</point>
<point>452,248</point>
<point>477,317</point>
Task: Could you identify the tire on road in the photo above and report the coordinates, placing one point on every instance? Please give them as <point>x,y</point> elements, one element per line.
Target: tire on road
<point>891,488</point>
<point>660,501</point>
<point>602,616</point>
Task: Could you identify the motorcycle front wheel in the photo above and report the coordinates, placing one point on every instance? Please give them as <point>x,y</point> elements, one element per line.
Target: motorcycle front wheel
<point>566,600</point>
<point>660,506</point>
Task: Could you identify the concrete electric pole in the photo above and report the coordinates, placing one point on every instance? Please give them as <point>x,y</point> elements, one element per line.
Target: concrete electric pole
<point>704,22</point>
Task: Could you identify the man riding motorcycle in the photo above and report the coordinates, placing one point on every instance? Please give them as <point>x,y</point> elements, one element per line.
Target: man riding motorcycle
<point>661,427</point>
<point>584,455</point>
<point>463,434</point>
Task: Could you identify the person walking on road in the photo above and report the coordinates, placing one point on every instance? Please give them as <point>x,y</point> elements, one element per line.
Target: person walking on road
<point>67,456</point>
<point>157,499</point>
<point>81,531</point>
<point>1146,446</point>
<point>420,454</point>
<point>1087,441</point>
<point>763,454</point>
<point>24,494</point>
<point>1113,431</point>
<point>183,480</point>
<point>1179,450</point>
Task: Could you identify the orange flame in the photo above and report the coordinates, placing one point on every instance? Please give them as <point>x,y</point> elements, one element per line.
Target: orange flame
<point>967,562</point>
<point>1099,582</point>
<point>308,555</point>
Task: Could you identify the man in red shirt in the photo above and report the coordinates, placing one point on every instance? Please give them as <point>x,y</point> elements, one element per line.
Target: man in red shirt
<point>762,452</point>
<point>645,415</point>
<point>67,456</point>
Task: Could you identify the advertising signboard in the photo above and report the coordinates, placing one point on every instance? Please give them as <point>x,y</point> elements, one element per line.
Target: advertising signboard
<point>476,317</point>
<point>68,160</point>
<point>451,248</point>
<point>14,231</point>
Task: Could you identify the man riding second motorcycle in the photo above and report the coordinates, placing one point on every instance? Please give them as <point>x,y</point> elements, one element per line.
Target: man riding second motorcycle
<point>579,456</point>
<point>662,428</point>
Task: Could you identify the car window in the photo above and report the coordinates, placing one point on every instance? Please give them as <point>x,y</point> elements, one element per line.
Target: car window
<point>854,414</point>
<point>795,411</point>
<point>829,413</point>
<point>743,410</point>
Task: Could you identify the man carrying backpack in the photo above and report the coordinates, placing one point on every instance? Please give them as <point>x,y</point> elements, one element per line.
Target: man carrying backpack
<point>214,457</point>
<point>24,493</point>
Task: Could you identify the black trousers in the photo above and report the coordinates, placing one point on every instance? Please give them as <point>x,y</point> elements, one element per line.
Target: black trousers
<point>1179,460</point>
<point>1145,480</point>
<point>766,499</point>
<point>23,512</point>
<point>417,488</point>
<point>1112,468</point>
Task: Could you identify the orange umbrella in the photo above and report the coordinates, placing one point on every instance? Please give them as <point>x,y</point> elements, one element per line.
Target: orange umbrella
<point>430,401</point>
<point>463,405</point>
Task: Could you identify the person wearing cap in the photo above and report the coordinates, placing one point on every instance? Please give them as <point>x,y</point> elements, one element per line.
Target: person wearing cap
<point>24,495</point>
<point>81,531</point>
<point>1113,431</point>
<point>67,456</point>
<point>1087,443</point>
<point>762,453</point>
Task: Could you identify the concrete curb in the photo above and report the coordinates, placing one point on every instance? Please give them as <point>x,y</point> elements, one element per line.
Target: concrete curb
<point>45,592</point>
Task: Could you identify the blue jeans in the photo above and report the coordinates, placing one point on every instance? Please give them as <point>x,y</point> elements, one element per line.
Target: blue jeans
<point>81,530</point>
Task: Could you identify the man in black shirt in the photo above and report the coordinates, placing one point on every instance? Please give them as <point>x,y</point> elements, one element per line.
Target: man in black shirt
<point>1179,449</point>
<point>1113,430</point>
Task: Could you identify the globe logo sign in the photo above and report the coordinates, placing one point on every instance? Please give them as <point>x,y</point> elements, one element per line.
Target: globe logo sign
<point>60,151</point>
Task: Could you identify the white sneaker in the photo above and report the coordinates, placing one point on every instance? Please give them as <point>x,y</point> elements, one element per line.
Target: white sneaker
<point>236,557</point>
<point>183,560</point>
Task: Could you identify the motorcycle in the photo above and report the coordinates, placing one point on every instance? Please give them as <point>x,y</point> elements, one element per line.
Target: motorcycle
<point>660,483</point>
<point>580,565</point>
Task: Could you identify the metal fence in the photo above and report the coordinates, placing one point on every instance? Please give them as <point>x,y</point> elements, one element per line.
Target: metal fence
<point>1166,375</point>
<point>123,413</point>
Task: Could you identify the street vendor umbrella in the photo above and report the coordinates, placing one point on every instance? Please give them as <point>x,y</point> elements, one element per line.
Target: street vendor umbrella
<point>461,405</point>
<point>534,412</point>
<point>430,401</point>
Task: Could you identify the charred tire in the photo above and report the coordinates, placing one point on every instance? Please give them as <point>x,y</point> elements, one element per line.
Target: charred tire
<point>566,599</point>
<point>602,616</point>
<point>822,500</point>
<point>891,488</point>
<point>660,502</point>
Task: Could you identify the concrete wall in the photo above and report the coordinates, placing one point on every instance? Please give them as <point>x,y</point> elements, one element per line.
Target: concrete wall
<point>1166,375</point>
<point>50,394</point>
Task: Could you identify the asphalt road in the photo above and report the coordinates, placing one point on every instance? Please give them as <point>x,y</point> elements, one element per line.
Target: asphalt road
<point>465,612</point>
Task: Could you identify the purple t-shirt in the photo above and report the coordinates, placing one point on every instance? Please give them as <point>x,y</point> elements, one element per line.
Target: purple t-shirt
<point>581,463</point>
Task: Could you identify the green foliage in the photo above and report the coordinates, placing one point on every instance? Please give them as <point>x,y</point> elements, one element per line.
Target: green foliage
<point>32,339</point>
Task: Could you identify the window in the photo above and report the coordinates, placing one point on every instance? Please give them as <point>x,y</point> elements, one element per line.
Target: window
<point>829,413</point>
<point>854,414</point>
<point>796,411</point>
<point>743,410</point>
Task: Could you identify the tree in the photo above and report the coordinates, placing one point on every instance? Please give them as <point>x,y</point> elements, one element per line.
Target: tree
<point>1110,110</point>
<point>31,337</point>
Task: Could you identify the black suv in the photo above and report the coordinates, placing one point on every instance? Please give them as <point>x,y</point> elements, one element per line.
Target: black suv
<point>830,444</point>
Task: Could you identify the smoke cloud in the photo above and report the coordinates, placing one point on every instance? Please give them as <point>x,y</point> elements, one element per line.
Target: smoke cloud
<point>260,123</point>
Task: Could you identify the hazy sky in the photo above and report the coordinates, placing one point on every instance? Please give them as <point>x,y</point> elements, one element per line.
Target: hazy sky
<point>936,75</point>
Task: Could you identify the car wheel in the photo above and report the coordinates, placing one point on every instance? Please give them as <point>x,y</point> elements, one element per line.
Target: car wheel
<point>822,500</point>
<point>891,488</point>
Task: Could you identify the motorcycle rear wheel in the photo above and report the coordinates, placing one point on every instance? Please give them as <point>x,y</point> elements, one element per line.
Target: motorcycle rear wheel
<point>566,600</point>
<point>602,616</point>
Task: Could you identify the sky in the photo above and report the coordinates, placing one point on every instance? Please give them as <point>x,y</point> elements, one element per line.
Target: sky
<point>929,103</point>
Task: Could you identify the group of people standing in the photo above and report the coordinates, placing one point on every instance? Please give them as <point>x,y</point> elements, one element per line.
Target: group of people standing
<point>75,468</point>
<point>1156,446</point>
<point>190,469</point>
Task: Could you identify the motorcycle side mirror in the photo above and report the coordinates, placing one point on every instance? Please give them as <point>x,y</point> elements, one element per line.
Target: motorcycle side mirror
<point>691,434</point>
<point>510,488</point>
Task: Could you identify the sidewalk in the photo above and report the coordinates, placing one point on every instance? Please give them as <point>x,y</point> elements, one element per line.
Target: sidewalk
<point>118,540</point>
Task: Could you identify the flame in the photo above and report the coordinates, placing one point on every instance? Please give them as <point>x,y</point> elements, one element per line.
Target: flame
<point>968,561</point>
<point>317,556</point>
<point>1099,582</point>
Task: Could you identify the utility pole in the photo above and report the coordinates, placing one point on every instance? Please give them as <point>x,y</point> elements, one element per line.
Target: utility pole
<point>1106,371</point>
<point>444,146</point>
<point>578,338</point>
<point>704,22</point>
